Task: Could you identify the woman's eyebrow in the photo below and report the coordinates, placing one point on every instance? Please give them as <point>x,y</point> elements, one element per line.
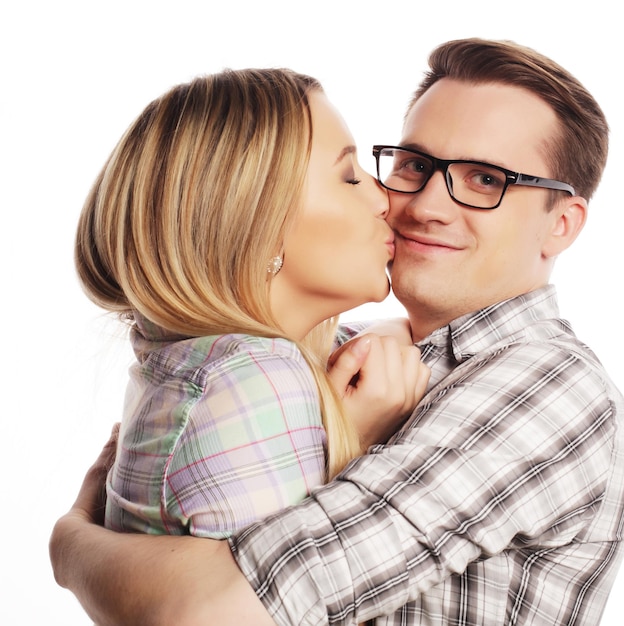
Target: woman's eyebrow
<point>351,149</point>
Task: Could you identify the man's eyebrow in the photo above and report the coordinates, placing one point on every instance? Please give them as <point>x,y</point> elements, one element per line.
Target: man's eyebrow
<point>420,148</point>
<point>351,149</point>
<point>413,146</point>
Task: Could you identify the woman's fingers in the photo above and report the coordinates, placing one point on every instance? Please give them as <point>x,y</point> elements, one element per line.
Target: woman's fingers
<point>346,363</point>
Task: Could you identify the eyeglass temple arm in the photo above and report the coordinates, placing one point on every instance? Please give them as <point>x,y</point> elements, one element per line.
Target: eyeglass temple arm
<point>546,183</point>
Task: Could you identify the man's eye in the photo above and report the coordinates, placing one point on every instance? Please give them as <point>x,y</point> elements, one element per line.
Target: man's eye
<point>486,180</point>
<point>414,165</point>
<point>481,179</point>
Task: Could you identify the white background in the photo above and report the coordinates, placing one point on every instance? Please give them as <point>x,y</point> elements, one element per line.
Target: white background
<point>75,74</point>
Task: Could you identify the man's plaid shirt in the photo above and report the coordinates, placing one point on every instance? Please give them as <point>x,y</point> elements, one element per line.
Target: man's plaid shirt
<point>500,501</point>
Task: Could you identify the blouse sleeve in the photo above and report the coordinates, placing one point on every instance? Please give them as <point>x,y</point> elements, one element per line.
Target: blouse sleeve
<point>252,443</point>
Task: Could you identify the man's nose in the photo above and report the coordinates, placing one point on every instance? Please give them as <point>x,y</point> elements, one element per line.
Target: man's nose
<point>432,203</point>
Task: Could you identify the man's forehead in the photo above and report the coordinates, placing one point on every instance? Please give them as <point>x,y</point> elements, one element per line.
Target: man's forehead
<point>493,122</point>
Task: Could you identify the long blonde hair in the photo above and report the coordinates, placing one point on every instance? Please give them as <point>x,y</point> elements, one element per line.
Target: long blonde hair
<point>194,200</point>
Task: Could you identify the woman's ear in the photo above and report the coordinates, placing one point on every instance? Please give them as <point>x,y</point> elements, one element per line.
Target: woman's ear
<point>568,219</point>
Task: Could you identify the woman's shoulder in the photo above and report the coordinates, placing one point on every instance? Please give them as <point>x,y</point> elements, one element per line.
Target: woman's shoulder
<point>199,359</point>
<point>229,344</point>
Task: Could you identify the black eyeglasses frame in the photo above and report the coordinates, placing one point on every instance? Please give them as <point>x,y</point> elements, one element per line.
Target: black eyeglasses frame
<point>511,177</point>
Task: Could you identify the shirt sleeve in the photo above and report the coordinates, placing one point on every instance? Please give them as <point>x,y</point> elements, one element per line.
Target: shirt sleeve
<point>513,453</point>
<point>252,444</point>
<point>347,331</point>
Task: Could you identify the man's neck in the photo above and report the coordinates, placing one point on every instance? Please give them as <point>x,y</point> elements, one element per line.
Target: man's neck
<point>422,326</point>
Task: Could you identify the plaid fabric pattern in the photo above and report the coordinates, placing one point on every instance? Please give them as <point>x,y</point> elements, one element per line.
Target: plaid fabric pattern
<point>217,433</point>
<point>500,501</point>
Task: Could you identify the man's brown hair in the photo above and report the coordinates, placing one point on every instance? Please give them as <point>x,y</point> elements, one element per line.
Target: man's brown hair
<point>577,152</point>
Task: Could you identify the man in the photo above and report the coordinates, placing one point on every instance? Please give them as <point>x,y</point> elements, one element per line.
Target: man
<point>501,500</point>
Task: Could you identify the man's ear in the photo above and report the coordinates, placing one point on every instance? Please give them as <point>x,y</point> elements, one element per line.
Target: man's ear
<point>568,219</point>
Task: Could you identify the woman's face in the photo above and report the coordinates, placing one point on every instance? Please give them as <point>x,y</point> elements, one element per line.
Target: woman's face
<point>336,253</point>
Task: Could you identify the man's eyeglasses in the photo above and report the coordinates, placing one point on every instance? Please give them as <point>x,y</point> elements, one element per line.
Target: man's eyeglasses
<point>470,183</point>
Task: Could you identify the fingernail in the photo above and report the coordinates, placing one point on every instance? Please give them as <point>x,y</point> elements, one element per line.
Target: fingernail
<point>361,346</point>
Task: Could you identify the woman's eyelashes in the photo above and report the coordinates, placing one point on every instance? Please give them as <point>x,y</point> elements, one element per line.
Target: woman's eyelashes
<point>351,178</point>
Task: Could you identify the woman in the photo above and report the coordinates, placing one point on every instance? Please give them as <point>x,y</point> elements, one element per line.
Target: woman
<point>231,223</point>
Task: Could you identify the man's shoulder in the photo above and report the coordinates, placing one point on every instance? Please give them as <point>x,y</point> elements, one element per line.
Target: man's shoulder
<point>543,346</point>
<point>511,383</point>
<point>531,317</point>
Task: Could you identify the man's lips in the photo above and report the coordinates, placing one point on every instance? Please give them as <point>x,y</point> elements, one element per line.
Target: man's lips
<point>426,243</point>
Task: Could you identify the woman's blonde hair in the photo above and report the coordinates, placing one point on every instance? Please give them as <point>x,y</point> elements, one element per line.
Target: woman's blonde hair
<point>193,202</point>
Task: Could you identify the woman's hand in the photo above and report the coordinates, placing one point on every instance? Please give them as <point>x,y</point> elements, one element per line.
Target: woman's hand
<point>91,500</point>
<point>380,380</point>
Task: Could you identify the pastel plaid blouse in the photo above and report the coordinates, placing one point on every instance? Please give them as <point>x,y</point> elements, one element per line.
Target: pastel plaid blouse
<point>217,432</point>
<point>500,502</point>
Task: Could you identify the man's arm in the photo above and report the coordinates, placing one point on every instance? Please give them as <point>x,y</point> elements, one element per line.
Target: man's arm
<point>147,579</point>
<point>490,463</point>
<point>486,460</point>
<point>173,580</point>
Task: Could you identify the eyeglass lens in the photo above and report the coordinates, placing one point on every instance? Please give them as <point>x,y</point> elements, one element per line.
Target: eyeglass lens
<point>469,183</point>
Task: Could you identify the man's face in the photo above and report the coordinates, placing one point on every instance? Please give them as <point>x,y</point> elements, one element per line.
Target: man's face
<point>451,260</point>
